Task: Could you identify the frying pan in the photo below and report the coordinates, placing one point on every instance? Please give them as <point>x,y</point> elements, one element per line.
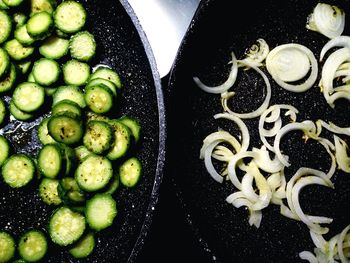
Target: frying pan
<point>123,46</point>
<point>217,29</point>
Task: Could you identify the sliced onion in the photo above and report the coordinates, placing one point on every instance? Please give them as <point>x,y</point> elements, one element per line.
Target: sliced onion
<point>291,62</point>
<point>308,127</point>
<point>307,255</point>
<point>340,244</point>
<point>257,53</point>
<point>245,137</point>
<point>327,19</point>
<point>341,154</point>
<point>224,86</point>
<point>263,106</point>
<point>264,162</point>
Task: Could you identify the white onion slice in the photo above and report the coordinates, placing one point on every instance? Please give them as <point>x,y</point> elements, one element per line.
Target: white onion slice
<point>327,19</point>
<point>224,86</point>
<point>308,127</point>
<point>245,136</point>
<point>341,154</point>
<point>301,183</point>
<point>264,162</point>
<point>257,53</point>
<point>263,106</point>
<point>307,255</point>
<point>340,244</point>
<point>292,62</point>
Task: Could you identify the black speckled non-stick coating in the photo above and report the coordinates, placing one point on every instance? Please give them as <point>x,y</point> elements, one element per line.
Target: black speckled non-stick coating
<point>218,28</point>
<point>122,45</point>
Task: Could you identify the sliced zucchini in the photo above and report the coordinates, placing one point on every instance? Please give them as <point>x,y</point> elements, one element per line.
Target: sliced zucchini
<point>38,6</point>
<point>21,34</point>
<point>54,47</point>
<point>84,246</point>
<point>108,83</point>
<point>133,124</point>
<point>81,152</point>
<point>82,46</point>
<point>66,105</point>
<point>94,173</point>
<point>101,211</point>
<point>46,71</point>
<point>31,77</point>
<point>4,149</point>
<point>12,3</point>
<point>98,137</point>
<point>66,226</point>
<point>107,73</point>
<point>99,98</point>
<point>43,132</point>
<point>65,128</point>
<point>76,73</point>
<point>70,17</point>
<point>122,140</point>
<point>130,172</point>
<point>28,96</point>
<point>113,185</point>
<point>39,25</point>
<point>2,111</point>
<point>7,247</point>
<point>5,26</point>
<point>18,114</point>
<point>48,191</point>
<point>3,6</point>
<point>70,192</point>
<point>18,170</point>
<point>69,92</point>
<point>8,81</point>
<point>69,158</point>
<point>17,51</point>
<point>32,246</point>
<point>4,62</point>
<point>19,18</point>
<point>50,160</point>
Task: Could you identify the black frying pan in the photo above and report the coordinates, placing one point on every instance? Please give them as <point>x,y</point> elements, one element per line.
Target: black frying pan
<point>218,28</point>
<point>123,46</point>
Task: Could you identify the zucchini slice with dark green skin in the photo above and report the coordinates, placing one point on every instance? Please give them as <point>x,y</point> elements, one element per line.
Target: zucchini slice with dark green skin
<point>70,192</point>
<point>99,98</point>
<point>17,51</point>
<point>28,96</point>
<point>130,172</point>
<point>50,160</point>
<point>66,226</point>
<point>18,170</point>
<point>101,211</point>
<point>4,149</point>
<point>79,40</point>
<point>54,47</point>
<point>66,105</point>
<point>39,25</point>
<point>76,73</point>
<point>8,81</point>
<point>134,125</point>
<point>2,111</point>
<point>122,140</point>
<point>108,74</point>
<point>84,246</point>
<point>7,247</point>
<point>70,17</point>
<point>48,191</point>
<point>98,137</point>
<point>46,71</point>
<point>5,26</point>
<point>4,62</point>
<point>94,173</point>
<point>43,132</point>
<point>69,92</point>
<point>65,128</point>
<point>32,245</point>
<point>18,114</point>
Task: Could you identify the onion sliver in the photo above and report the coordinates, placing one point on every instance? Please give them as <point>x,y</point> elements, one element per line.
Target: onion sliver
<point>292,62</point>
<point>257,53</point>
<point>340,41</point>
<point>263,106</point>
<point>307,255</point>
<point>224,86</point>
<point>327,19</point>
<point>308,127</point>
<point>340,244</point>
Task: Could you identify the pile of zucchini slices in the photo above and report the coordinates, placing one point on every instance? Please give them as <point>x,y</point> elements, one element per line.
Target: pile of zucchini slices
<point>46,56</point>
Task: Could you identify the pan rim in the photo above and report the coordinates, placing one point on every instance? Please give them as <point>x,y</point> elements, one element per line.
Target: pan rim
<point>161,138</point>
